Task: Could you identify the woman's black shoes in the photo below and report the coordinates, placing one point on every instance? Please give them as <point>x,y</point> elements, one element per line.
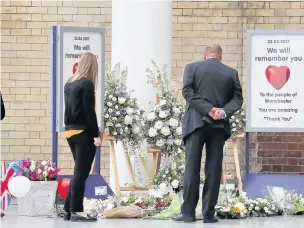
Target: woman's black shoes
<point>66,216</point>
<point>79,218</point>
<point>74,217</point>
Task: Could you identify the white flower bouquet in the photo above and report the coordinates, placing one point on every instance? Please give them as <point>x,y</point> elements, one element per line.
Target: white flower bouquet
<point>232,208</point>
<point>98,208</point>
<point>289,202</point>
<point>122,115</point>
<point>260,207</point>
<point>238,122</point>
<point>243,207</point>
<point>163,127</point>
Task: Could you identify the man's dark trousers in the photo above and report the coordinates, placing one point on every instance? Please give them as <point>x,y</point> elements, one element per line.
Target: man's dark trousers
<point>214,139</point>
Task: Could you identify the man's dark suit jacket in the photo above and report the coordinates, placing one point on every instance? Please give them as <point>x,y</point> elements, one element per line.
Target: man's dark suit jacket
<point>206,85</point>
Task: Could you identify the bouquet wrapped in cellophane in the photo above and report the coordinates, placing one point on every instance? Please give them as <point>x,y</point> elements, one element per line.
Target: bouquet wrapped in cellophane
<point>288,201</point>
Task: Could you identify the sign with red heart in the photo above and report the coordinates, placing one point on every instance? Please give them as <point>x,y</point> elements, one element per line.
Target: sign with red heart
<point>275,93</point>
<point>277,76</point>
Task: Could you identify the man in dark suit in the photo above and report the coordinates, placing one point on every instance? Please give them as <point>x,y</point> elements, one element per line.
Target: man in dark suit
<point>213,94</point>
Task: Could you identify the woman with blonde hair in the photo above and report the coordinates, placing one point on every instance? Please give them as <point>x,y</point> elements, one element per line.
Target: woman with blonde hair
<point>81,131</point>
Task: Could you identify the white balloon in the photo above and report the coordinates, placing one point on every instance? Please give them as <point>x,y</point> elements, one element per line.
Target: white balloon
<point>19,186</point>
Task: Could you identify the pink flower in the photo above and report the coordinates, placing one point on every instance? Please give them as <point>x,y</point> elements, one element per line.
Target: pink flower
<point>34,176</point>
<point>26,163</point>
<point>51,172</point>
<point>41,167</point>
<point>57,170</point>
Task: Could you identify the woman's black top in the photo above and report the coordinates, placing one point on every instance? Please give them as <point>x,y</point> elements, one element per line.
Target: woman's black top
<point>79,98</point>
<point>2,109</point>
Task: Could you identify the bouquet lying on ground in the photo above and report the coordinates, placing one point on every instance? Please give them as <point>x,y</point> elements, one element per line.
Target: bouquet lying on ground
<point>152,204</point>
<point>288,201</point>
<point>242,207</point>
<point>148,204</point>
<point>39,170</point>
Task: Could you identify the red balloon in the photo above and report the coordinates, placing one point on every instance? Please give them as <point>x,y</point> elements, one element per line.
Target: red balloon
<point>63,187</point>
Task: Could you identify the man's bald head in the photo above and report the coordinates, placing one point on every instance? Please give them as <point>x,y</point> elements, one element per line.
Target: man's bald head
<point>213,51</point>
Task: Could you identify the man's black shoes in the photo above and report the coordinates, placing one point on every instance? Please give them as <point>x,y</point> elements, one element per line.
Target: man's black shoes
<point>183,218</point>
<point>211,220</point>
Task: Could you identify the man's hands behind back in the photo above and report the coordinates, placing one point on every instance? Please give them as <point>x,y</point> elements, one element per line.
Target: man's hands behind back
<point>217,113</point>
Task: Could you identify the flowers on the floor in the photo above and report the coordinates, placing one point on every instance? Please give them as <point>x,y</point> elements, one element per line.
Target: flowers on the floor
<point>122,114</point>
<point>260,207</point>
<point>173,209</point>
<point>163,127</point>
<point>38,170</point>
<point>298,204</point>
<point>164,206</point>
<point>238,122</point>
<point>242,207</point>
<point>152,205</point>
<point>98,208</point>
<point>126,212</point>
<point>288,201</point>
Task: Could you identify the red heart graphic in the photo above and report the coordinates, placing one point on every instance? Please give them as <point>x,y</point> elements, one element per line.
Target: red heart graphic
<point>277,76</point>
<point>75,66</point>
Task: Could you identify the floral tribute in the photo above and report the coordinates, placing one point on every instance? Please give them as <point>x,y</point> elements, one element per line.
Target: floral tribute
<point>39,170</point>
<point>297,204</point>
<point>122,115</point>
<point>163,128</point>
<point>152,204</point>
<point>238,122</point>
<point>229,206</point>
<point>242,207</point>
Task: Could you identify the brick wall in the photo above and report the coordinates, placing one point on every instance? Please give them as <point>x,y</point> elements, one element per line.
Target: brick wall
<point>25,67</point>
<point>25,73</point>
<point>198,23</point>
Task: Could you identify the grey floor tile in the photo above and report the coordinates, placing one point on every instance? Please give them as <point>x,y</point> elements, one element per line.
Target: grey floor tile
<point>11,220</point>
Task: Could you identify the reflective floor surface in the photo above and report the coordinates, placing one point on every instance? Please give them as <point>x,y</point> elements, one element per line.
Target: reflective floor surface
<point>12,220</point>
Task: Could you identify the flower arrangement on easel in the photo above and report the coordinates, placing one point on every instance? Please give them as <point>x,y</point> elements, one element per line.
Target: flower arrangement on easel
<point>122,115</point>
<point>163,124</point>
<point>238,123</point>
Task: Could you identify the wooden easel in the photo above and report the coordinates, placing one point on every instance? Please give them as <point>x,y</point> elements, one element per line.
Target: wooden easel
<point>119,188</point>
<point>234,142</point>
<point>156,156</point>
